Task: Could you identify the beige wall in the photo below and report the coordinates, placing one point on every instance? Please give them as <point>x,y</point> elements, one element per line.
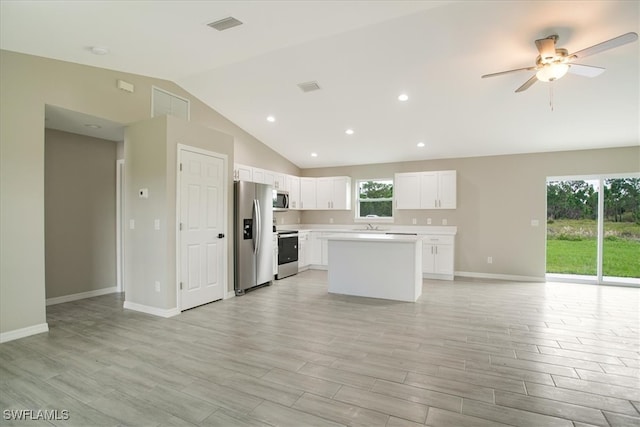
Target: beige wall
<point>498,197</point>
<point>80,207</point>
<point>27,83</point>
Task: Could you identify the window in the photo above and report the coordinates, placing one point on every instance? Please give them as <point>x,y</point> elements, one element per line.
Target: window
<point>374,200</point>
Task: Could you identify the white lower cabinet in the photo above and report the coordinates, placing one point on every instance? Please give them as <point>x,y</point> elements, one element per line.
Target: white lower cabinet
<point>275,254</point>
<point>438,256</point>
<point>303,250</point>
<point>316,247</point>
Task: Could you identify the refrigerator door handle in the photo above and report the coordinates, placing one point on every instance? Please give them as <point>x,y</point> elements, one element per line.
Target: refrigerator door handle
<point>258,223</point>
<point>255,226</point>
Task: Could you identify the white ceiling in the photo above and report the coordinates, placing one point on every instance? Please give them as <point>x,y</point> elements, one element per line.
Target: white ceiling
<point>364,54</point>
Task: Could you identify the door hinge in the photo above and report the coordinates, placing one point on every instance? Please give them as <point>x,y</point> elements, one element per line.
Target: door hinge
<point>180,226</point>
<point>180,285</point>
<point>180,167</point>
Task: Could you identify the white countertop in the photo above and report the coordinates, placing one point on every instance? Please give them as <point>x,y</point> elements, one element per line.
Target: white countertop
<point>447,230</point>
<point>372,237</point>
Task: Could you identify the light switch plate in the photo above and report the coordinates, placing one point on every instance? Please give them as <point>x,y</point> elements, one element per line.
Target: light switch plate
<point>444,221</point>
<point>132,224</point>
<point>428,221</point>
<point>156,224</point>
<point>535,223</point>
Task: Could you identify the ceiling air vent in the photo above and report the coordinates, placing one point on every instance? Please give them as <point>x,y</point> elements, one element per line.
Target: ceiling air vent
<point>225,24</point>
<point>309,86</point>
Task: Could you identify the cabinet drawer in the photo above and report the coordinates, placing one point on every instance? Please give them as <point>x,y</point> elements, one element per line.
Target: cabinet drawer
<point>438,240</point>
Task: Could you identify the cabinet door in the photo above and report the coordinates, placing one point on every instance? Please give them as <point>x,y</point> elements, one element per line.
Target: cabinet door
<point>268,178</point>
<point>303,241</point>
<point>307,193</point>
<point>324,193</point>
<point>278,181</point>
<point>258,175</point>
<point>443,259</point>
<point>314,255</point>
<point>292,185</point>
<point>447,190</point>
<point>275,255</point>
<point>406,190</point>
<point>429,190</point>
<point>341,193</point>
<point>243,173</point>
<point>428,257</point>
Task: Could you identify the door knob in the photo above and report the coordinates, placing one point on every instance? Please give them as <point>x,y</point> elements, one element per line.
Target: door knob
<point>221,236</point>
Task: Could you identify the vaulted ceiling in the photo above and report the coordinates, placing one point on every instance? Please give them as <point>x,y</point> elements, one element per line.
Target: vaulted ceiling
<point>363,55</point>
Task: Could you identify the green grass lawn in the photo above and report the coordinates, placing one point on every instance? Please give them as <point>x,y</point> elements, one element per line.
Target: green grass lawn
<point>621,257</point>
<point>571,248</point>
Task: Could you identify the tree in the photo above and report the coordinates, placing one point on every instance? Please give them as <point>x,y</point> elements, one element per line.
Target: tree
<point>376,198</point>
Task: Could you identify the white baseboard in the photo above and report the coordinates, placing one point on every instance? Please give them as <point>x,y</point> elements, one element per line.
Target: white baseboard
<point>230,294</point>
<point>161,312</point>
<point>81,295</point>
<point>23,332</point>
<point>509,277</point>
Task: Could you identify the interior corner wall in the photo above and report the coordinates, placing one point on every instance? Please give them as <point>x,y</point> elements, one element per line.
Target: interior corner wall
<point>145,247</point>
<point>27,84</point>
<point>80,207</point>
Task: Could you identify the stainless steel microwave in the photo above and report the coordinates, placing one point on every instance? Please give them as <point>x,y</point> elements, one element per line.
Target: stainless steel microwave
<point>280,200</point>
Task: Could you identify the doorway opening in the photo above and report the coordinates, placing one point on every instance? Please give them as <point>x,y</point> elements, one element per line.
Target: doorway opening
<point>82,199</point>
<point>593,229</point>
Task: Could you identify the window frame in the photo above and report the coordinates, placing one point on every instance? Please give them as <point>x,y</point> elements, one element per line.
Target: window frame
<point>358,218</point>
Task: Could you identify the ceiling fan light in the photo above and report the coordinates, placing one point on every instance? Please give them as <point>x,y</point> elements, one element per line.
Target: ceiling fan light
<point>551,72</point>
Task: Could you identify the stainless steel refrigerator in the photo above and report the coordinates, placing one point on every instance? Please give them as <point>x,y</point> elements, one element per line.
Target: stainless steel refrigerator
<point>253,235</point>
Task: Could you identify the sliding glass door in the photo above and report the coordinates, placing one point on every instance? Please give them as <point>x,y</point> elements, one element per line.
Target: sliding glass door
<point>621,229</point>
<point>593,229</point>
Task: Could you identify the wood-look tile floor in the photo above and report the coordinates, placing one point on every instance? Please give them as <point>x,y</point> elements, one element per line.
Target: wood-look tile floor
<point>468,353</point>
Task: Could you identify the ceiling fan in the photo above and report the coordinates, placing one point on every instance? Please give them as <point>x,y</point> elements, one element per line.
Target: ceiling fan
<point>552,63</point>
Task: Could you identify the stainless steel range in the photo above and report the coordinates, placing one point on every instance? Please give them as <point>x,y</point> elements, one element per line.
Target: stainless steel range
<point>287,253</point>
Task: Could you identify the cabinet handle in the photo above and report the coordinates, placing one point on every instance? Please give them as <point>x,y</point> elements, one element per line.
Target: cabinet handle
<point>436,250</point>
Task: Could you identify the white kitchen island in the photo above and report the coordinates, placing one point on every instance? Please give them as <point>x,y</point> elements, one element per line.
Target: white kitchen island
<point>387,266</point>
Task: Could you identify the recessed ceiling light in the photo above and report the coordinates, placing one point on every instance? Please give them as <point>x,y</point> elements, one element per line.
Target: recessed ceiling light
<point>349,131</point>
<point>403,97</point>
<point>99,50</point>
<point>92,126</point>
<point>271,119</point>
<point>314,154</point>
<point>420,144</point>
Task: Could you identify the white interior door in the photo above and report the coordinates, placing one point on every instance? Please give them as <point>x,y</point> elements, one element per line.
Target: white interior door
<point>202,235</point>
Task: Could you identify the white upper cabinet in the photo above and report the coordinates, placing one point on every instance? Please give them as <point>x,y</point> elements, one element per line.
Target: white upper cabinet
<point>438,190</point>
<point>292,185</point>
<point>333,193</point>
<point>341,193</point>
<point>304,193</point>
<point>307,193</point>
<point>406,190</point>
<point>279,181</point>
<point>425,190</point>
<point>242,172</point>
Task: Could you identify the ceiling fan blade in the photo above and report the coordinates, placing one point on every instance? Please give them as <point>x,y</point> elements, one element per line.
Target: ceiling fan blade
<point>585,70</point>
<point>606,45</point>
<point>547,48</point>
<point>527,84</point>
<point>509,71</point>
